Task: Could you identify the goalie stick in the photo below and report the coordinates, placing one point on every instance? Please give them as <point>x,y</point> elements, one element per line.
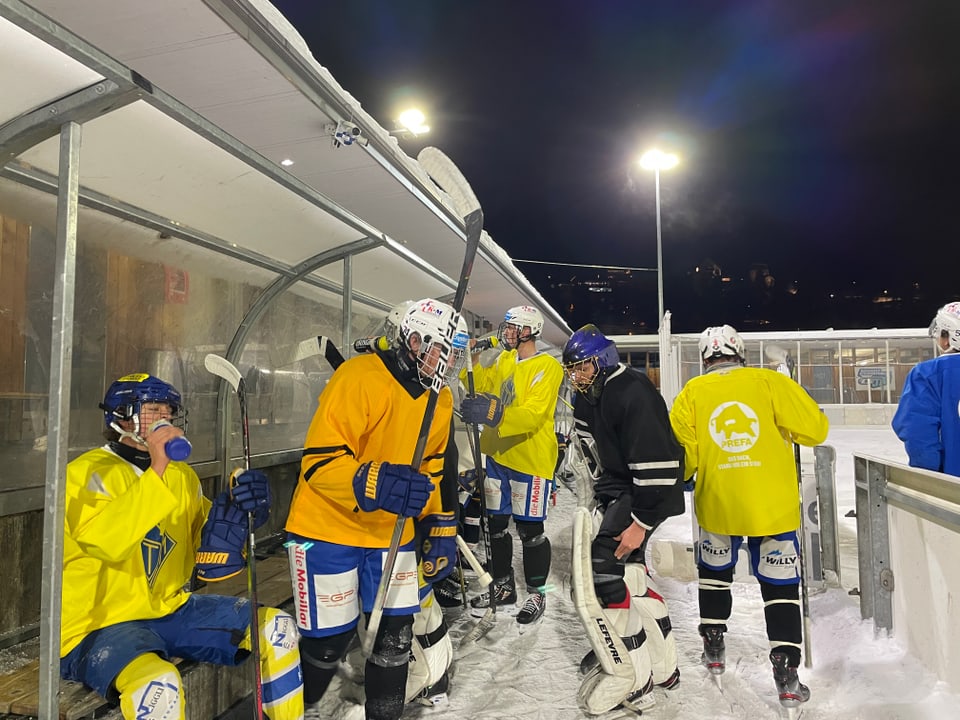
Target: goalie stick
<point>787,366</point>
<point>225,370</point>
<point>448,177</point>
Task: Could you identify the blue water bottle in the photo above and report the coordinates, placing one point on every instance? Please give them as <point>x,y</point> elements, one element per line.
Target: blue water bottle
<point>178,448</point>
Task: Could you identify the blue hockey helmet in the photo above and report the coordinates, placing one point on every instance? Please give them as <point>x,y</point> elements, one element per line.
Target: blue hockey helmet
<point>589,345</point>
<point>126,395</point>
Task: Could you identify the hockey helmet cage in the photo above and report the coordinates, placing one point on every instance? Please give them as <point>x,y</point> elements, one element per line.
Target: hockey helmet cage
<point>589,345</point>
<point>126,395</point>
<point>947,320</point>
<point>438,327</point>
<point>522,316</point>
<point>721,341</point>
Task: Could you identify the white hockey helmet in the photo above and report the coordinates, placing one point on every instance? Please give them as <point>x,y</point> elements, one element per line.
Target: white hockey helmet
<point>391,323</point>
<point>442,340</point>
<point>947,320</point>
<point>721,341</point>
<point>520,317</point>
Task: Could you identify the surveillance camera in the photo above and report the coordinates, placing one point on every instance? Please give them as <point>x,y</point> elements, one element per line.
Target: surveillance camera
<point>346,133</point>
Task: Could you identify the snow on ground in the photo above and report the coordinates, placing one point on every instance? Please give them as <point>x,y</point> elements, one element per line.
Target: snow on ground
<point>855,676</point>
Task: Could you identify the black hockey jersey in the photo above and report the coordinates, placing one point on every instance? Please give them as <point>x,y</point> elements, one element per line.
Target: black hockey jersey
<point>628,440</point>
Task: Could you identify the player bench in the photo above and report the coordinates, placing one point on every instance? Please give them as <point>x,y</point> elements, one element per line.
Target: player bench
<point>209,689</point>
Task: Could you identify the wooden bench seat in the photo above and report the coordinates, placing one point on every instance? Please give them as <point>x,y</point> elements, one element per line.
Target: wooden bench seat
<point>19,689</point>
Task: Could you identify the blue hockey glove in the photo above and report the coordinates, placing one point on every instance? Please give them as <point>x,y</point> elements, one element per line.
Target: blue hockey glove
<point>467,480</point>
<point>250,490</point>
<point>398,489</point>
<point>438,546</point>
<point>222,541</point>
<point>483,409</point>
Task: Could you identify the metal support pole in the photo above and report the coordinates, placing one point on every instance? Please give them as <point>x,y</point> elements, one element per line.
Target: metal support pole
<point>58,435</point>
<point>656,180</point>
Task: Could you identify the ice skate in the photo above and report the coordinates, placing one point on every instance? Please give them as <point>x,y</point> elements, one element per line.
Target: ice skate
<point>793,693</point>
<point>505,595</point>
<point>714,651</point>
<point>448,593</point>
<point>436,694</point>
<point>532,610</point>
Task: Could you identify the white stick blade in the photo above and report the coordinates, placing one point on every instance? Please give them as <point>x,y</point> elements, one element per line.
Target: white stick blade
<point>445,173</point>
<point>306,349</point>
<point>223,368</point>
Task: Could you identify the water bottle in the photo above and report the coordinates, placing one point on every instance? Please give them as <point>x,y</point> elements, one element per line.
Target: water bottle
<point>178,448</point>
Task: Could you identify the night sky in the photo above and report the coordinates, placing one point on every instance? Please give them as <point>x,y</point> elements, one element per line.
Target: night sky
<point>818,143</point>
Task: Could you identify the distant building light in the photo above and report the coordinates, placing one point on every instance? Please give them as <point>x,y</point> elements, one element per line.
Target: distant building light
<point>725,278</point>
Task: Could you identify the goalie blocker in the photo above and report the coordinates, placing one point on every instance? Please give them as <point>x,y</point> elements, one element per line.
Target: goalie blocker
<point>633,646</point>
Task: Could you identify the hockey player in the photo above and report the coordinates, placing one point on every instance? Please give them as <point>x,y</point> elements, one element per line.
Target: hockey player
<point>431,651</point>
<point>737,426</point>
<point>516,399</point>
<point>622,427</point>
<point>926,419</point>
<point>355,481</point>
<point>135,522</point>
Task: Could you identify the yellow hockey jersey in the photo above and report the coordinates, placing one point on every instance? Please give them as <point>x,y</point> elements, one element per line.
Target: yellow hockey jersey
<point>525,439</point>
<point>130,540</point>
<point>364,414</point>
<point>737,426</point>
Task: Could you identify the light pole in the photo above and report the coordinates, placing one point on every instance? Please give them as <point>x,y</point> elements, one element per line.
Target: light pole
<point>657,160</point>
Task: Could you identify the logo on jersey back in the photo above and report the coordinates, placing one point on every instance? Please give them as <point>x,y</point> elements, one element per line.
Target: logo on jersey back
<point>734,426</point>
<point>155,548</point>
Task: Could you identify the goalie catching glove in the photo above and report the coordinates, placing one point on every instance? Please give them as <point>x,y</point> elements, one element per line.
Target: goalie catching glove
<point>482,409</point>
<point>250,491</point>
<point>398,489</point>
<point>438,549</point>
<point>222,541</point>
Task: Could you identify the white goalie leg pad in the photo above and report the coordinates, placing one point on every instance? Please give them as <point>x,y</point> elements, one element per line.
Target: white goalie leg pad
<point>661,647</point>
<point>431,650</point>
<point>613,680</point>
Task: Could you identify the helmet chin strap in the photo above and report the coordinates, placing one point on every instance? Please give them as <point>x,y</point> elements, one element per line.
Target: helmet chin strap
<point>127,434</point>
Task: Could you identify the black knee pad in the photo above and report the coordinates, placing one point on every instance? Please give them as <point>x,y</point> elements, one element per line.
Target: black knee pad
<point>530,532</point>
<point>324,652</point>
<point>319,658</point>
<point>392,646</point>
<point>497,524</point>
<point>706,573</point>
<point>604,561</point>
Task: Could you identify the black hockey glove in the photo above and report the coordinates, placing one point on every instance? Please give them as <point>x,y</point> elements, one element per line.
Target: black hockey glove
<point>250,490</point>
<point>222,541</point>
<point>483,409</point>
<point>438,549</point>
<point>398,489</point>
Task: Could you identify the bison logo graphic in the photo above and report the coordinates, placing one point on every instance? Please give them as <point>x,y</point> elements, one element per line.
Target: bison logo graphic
<point>734,427</point>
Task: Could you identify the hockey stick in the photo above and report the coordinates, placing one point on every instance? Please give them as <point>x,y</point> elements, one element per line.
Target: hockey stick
<point>482,575</point>
<point>489,619</point>
<point>225,370</point>
<point>787,366</point>
<point>446,175</point>
<point>319,345</point>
